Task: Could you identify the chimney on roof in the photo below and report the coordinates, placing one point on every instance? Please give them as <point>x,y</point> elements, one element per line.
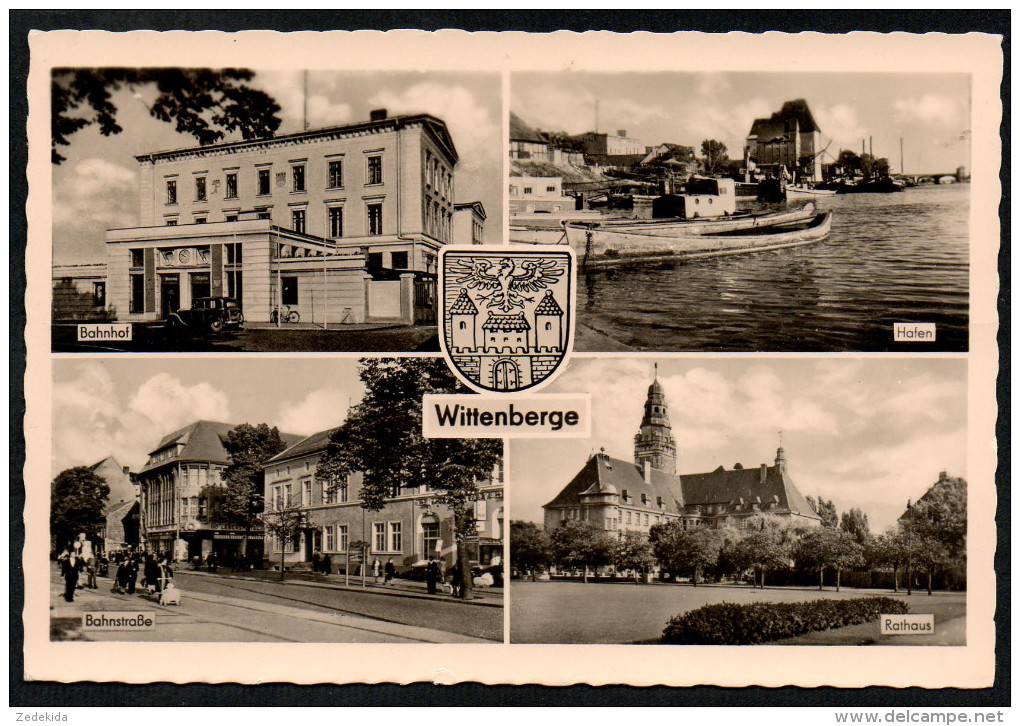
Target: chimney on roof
<point>126,470</point>
<point>764,472</point>
<point>648,471</point>
<point>622,133</point>
<point>943,475</point>
<point>377,114</point>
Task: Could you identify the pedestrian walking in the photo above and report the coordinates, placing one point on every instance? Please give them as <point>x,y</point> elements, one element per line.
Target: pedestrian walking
<point>150,572</point>
<point>316,561</point>
<point>90,574</point>
<point>376,570</point>
<point>210,562</point>
<point>71,566</point>
<point>456,581</point>
<point>327,565</point>
<point>132,574</point>
<point>431,576</point>
<point>390,571</point>
<point>120,578</point>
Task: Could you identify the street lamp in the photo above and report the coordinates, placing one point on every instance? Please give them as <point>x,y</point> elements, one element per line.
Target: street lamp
<point>910,527</point>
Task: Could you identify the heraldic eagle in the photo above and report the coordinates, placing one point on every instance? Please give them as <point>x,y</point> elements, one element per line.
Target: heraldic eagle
<point>505,280</point>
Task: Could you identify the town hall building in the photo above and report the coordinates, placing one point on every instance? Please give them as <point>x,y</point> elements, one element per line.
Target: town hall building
<point>634,496</point>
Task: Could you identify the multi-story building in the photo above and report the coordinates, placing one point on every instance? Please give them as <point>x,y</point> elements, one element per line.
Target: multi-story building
<point>178,488</point>
<point>530,194</point>
<point>469,223</point>
<point>621,495</point>
<point>410,528</point>
<point>789,139</point>
<point>334,223</point>
<point>602,145</point>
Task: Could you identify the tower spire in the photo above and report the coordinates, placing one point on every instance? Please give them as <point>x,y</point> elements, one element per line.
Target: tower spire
<point>654,442</point>
<point>780,453</point>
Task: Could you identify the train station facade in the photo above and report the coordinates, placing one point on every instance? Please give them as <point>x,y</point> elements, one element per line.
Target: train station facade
<point>340,224</point>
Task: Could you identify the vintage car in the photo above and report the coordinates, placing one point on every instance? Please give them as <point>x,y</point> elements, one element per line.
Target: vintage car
<point>213,314</point>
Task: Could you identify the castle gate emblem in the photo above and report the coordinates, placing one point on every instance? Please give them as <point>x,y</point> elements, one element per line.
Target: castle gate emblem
<point>507,314</point>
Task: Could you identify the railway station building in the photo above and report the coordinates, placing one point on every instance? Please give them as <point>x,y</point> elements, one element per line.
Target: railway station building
<point>341,224</point>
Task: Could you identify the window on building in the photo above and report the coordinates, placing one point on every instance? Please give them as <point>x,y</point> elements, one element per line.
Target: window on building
<point>330,544</point>
<point>289,291</point>
<point>628,517</point>
<point>342,537</point>
<point>336,222</point>
<point>342,491</point>
<point>375,219</point>
<point>278,497</point>
<point>297,220</point>
<point>379,541</point>
<point>288,495</point>
<point>264,181</point>
<point>514,190</point>
<point>137,293</point>
<point>335,178</point>
<point>171,191</point>
<point>430,538</point>
<point>550,189</point>
<point>137,258</point>
<point>297,174</point>
<point>646,520</point>
<point>396,537</point>
<point>99,294</point>
<point>263,213</point>
<point>200,194</point>
<point>399,260</point>
<point>231,217</point>
<point>200,220</point>
<point>374,260</point>
<point>306,493</point>
<point>527,190</point>
<point>374,170</point>
<point>231,185</point>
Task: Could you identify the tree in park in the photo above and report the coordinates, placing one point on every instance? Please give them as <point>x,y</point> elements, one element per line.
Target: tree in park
<point>529,548</point>
<point>242,500</point>
<point>941,514</point>
<point>824,547</point>
<point>927,553</point>
<point>826,510</point>
<point>714,156</point>
<point>634,552</point>
<point>77,504</point>
<point>382,438</point>
<point>203,102</point>
<point>686,550</point>
<point>285,524</point>
<point>855,523</point>
<point>888,549</point>
<point>768,545</point>
<point>581,544</point>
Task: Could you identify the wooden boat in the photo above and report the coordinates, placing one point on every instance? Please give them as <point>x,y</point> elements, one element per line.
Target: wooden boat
<point>637,248</point>
<point>793,192</point>
<point>621,234</point>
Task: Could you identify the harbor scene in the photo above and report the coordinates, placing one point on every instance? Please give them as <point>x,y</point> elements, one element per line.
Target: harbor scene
<point>814,223</point>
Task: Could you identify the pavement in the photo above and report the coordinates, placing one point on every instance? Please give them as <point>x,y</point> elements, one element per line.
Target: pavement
<point>576,612</point>
<point>218,608</point>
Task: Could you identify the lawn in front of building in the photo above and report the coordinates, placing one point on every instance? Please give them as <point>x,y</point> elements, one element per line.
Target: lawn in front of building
<point>576,612</point>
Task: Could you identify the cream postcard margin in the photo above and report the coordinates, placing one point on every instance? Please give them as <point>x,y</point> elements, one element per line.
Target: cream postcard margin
<point>968,666</point>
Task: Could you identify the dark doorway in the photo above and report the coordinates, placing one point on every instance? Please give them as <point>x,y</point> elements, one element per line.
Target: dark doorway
<point>169,294</point>
<point>199,286</point>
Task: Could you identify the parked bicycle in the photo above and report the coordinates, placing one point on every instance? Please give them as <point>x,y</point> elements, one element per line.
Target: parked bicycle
<point>287,315</point>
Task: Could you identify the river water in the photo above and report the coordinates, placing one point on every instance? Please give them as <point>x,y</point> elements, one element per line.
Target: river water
<point>890,258</point>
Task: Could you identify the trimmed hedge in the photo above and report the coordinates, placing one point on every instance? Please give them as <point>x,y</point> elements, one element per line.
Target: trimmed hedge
<point>762,622</point>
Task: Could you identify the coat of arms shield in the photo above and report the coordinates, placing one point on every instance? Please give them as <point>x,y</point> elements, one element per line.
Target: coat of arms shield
<point>507,314</point>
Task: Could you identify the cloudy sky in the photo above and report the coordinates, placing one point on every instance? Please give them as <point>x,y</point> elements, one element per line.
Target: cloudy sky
<point>864,433</point>
<point>96,188</point>
<point>930,111</point>
<point>124,407</point>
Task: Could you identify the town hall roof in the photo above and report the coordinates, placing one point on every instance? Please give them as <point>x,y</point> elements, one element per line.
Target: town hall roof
<point>203,441</point>
<point>603,474</point>
<point>308,445</point>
